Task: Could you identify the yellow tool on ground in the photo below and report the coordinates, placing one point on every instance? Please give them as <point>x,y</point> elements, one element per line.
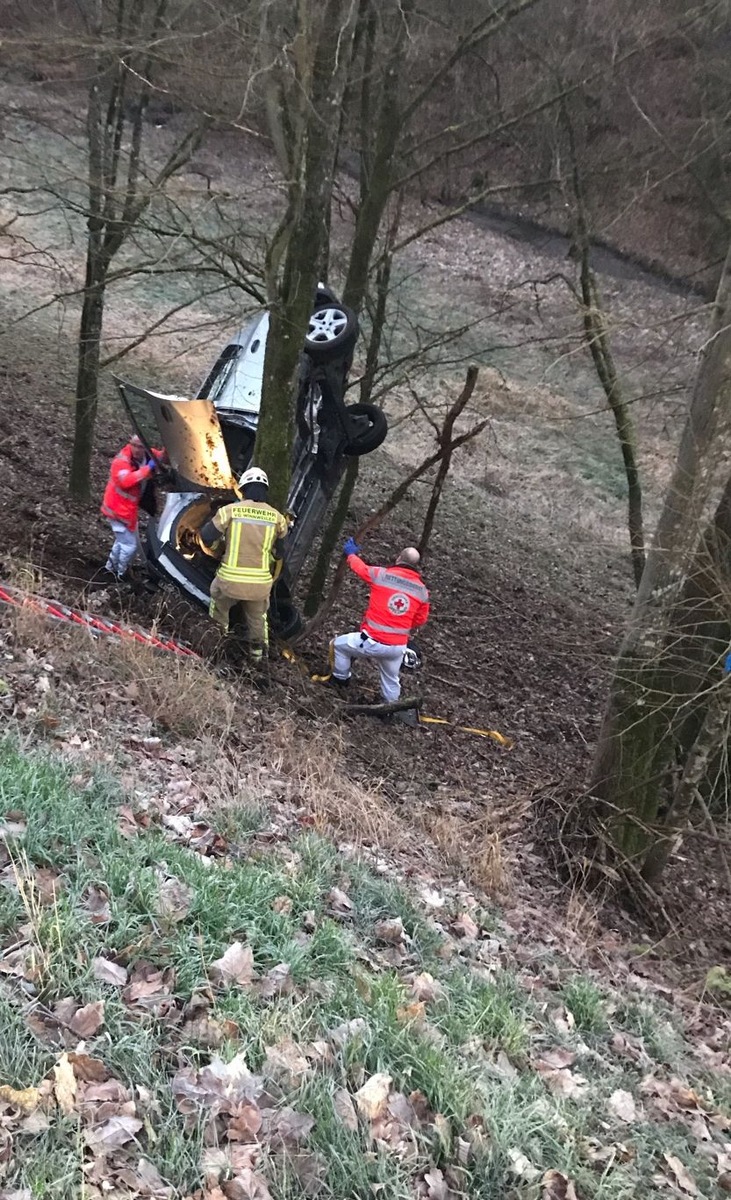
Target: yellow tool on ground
<point>488,733</point>
<point>508,743</point>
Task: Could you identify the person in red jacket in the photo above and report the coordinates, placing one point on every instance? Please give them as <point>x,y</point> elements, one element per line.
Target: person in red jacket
<point>121,504</point>
<point>398,604</point>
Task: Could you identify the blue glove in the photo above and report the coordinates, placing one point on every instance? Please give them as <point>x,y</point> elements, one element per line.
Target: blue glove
<point>727,664</point>
<point>351,547</point>
<point>152,463</point>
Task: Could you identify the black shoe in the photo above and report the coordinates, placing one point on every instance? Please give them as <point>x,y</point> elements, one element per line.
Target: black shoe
<point>405,716</point>
<point>338,684</point>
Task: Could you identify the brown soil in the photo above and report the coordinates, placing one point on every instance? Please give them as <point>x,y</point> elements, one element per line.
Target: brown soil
<point>528,568</point>
<point>520,642</point>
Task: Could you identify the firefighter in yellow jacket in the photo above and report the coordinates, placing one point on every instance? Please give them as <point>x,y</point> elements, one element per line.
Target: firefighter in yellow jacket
<point>251,529</point>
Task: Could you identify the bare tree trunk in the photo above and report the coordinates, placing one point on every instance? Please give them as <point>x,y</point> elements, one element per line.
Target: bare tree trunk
<point>87,384</point>
<point>711,738</point>
<point>445,441</point>
<point>597,339</point>
<point>116,200</point>
<point>649,695</point>
<point>325,45</point>
<point>377,166</point>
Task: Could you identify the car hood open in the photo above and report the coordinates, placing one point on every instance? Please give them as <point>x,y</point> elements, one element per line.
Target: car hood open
<point>188,430</point>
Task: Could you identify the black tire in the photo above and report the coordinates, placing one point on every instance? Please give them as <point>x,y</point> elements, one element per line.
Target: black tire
<point>369,429</point>
<point>332,333</point>
<point>286,621</point>
<point>325,296</point>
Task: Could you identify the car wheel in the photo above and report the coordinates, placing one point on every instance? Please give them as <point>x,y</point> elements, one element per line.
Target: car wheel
<point>368,429</point>
<point>287,621</point>
<point>332,332</point>
<point>325,296</point>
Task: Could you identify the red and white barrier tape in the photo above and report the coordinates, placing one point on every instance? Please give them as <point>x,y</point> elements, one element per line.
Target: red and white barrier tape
<point>96,625</point>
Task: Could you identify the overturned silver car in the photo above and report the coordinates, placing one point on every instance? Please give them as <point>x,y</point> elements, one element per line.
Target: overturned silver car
<point>210,438</point>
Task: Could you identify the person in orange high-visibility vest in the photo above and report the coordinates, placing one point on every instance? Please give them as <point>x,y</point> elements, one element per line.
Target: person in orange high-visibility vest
<point>398,604</point>
<point>129,471</point>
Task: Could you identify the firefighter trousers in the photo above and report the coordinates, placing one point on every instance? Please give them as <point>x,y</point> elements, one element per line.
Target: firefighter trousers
<point>255,613</point>
<point>389,658</point>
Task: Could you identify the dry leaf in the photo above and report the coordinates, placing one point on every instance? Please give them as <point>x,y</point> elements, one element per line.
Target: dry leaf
<point>277,982</point>
<point>345,1109</point>
<point>522,1166</point>
<point>64,1085</point>
<point>340,901</point>
<point>622,1105</point>
<point>149,985</point>
<point>466,927</point>
<point>290,1126</point>
<point>247,1185</point>
<point>13,824</point>
<point>557,1186</point>
<point>372,1098</point>
<point>115,1132</point>
<point>88,1069</point>
<point>556,1059</point>
<point>107,971</point>
<point>87,1021</point>
<point>562,1019</point>
<point>25,1099</point>
<point>49,883</point>
<point>341,1035</point>
<point>210,1031</point>
<point>236,966</point>
<point>245,1125</point>
<point>283,905</point>
<point>286,1064</point>
<point>425,987</point>
<point>145,1180</point>
<point>412,1014</point>
<point>220,1087</point>
<point>437,1187</point>
<point>683,1177</point>
<point>561,1082</point>
<point>174,900</point>
<point>96,903</point>
<point>391,931</point>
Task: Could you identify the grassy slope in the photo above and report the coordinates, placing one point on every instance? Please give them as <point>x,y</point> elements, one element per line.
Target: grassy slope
<point>479,1054</point>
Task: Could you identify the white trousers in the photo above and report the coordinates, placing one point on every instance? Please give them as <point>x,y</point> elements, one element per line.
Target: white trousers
<point>126,545</point>
<point>352,645</point>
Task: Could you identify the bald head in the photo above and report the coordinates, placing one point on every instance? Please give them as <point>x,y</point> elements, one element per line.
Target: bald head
<point>409,557</point>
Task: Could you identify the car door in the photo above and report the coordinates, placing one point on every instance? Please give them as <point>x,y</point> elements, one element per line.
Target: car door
<point>188,430</point>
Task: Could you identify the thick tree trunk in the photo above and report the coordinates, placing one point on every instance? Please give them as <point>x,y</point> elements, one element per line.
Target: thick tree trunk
<point>313,161</point>
<point>711,738</point>
<point>87,383</point>
<point>657,674</point>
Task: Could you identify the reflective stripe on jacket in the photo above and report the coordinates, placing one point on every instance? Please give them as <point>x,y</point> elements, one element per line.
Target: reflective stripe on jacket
<point>124,489</point>
<point>251,528</point>
<point>399,601</point>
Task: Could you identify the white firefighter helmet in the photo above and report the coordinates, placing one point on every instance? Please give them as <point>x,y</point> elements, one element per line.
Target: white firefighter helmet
<point>253,475</point>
